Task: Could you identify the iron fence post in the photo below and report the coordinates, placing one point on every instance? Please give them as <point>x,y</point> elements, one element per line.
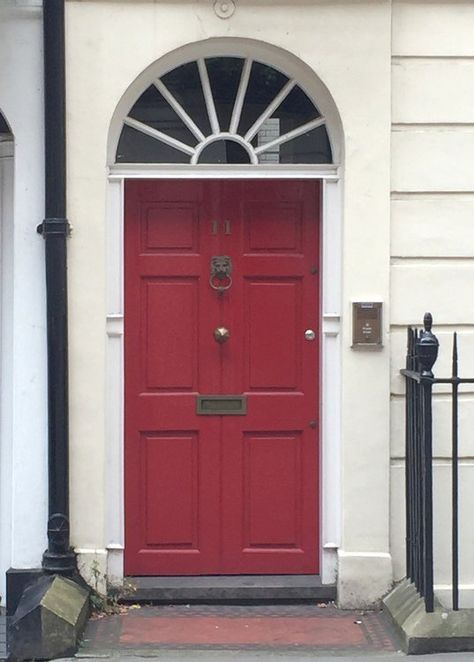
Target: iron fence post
<point>427,353</point>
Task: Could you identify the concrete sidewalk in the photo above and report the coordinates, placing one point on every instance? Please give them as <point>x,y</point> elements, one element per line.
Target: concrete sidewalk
<point>223,633</point>
<point>220,656</point>
<point>237,633</point>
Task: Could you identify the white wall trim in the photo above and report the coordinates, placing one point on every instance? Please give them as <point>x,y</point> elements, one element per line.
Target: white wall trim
<point>24,416</point>
<point>6,354</point>
<point>153,171</point>
<point>331,249</point>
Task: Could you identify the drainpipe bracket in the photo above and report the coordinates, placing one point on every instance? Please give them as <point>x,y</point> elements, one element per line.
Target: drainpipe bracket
<point>59,563</point>
<point>54,226</point>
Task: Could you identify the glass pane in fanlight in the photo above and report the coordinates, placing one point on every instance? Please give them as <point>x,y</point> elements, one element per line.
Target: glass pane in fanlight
<point>295,110</point>
<point>311,147</point>
<point>153,109</point>
<point>264,85</point>
<point>224,78</point>
<point>4,128</point>
<point>184,83</point>
<point>137,147</point>
<point>224,151</point>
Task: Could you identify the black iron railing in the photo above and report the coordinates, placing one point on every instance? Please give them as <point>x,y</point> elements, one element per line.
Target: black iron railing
<point>422,352</point>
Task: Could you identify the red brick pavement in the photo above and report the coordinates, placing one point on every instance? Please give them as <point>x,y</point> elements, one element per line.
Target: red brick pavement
<point>285,627</point>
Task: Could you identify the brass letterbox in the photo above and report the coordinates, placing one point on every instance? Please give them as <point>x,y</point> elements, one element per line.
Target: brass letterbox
<point>221,405</point>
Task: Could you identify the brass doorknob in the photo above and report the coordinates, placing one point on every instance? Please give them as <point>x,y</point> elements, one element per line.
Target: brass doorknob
<point>221,334</point>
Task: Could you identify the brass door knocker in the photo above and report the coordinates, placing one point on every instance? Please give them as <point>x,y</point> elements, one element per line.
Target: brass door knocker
<point>221,269</point>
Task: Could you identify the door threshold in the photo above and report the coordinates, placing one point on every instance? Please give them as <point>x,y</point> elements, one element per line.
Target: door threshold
<point>229,589</point>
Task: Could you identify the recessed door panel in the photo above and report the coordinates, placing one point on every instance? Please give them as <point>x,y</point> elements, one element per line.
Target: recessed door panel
<point>272,484</point>
<point>170,227</point>
<point>171,481</point>
<point>272,227</point>
<point>169,350</point>
<point>221,493</point>
<point>273,334</point>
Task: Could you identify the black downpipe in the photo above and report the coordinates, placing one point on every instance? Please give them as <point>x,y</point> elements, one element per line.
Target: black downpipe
<point>58,558</point>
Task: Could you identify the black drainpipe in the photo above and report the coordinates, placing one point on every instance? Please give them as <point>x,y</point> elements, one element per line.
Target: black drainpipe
<point>58,558</point>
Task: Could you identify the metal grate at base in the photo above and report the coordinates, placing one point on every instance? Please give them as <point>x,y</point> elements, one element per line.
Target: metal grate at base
<point>3,635</point>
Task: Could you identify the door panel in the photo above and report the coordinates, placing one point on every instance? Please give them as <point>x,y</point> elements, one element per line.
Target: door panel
<point>221,494</point>
<point>272,227</point>
<point>267,331</point>
<point>168,456</point>
<point>169,348</point>
<point>272,483</point>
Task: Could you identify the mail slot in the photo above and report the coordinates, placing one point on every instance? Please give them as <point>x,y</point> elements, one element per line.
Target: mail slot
<point>221,405</point>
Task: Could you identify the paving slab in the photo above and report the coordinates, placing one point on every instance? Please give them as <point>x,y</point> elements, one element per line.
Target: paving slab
<point>237,630</point>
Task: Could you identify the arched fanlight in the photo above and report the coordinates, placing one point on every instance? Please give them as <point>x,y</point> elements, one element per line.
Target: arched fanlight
<point>224,110</point>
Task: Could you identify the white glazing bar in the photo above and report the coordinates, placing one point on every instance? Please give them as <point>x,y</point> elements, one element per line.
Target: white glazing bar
<point>239,99</point>
<point>158,135</point>
<point>309,126</point>
<point>282,94</point>
<point>209,99</point>
<point>178,109</point>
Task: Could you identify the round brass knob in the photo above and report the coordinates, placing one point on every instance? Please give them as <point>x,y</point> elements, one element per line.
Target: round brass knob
<point>221,334</point>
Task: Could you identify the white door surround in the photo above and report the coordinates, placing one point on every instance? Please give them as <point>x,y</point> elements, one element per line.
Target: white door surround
<point>331,242</point>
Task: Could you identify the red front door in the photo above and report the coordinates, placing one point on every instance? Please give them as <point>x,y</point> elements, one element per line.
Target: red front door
<point>213,493</point>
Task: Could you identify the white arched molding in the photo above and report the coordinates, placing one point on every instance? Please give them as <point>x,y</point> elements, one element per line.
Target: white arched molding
<point>277,58</point>
<point>331,243</point>
<point>6,354</point>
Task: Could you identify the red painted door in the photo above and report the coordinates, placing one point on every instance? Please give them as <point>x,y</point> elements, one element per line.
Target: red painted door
<point>221,494</point>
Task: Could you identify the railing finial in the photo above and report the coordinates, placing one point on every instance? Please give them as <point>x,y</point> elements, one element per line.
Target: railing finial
<point>427,322</point>
<point>427,347</point>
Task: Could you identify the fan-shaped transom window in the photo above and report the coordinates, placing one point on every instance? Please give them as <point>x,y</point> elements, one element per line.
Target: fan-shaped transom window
<point>224,110</point>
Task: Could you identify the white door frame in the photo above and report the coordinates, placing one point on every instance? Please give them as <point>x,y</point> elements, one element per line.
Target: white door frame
<point>331,253</point>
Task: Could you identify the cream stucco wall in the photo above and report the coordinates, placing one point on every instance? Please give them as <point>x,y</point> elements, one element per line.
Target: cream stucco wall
<point>347,45</point>
<point>432,239</point>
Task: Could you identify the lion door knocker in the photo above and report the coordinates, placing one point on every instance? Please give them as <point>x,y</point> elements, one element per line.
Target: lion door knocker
<point>221,269</point>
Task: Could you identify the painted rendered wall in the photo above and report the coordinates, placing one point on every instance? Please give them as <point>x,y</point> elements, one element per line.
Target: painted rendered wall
<point>23,440</point>
<point>347,44</point>
<point>432,239</point>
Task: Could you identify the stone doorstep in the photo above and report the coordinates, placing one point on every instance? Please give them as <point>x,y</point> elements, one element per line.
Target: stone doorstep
<point>443,631</point>
<point>230,588</point>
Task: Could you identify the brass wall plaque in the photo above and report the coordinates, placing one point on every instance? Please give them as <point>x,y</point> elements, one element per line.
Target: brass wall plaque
<point>367,324</point>
<point>221,405</point>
